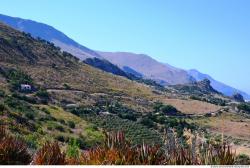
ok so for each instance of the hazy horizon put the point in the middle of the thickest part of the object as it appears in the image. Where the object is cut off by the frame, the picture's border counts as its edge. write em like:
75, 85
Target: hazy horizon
210, 36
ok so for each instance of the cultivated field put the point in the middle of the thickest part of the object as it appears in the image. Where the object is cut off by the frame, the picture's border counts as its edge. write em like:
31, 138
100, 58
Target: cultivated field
192, 106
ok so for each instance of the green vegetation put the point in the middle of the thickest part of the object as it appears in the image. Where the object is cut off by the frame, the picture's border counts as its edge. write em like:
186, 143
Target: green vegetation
166, 109
209, 99
16, 78
116, 150
73, 150
135, 132
245, 107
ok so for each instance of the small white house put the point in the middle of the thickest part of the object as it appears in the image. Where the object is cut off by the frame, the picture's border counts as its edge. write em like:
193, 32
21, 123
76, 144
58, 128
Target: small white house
25, 87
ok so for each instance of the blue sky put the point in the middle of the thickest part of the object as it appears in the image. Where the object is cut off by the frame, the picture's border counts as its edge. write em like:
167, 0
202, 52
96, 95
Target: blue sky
212, 36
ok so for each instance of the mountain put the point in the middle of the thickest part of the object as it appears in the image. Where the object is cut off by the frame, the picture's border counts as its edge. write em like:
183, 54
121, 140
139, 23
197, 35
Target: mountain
141, 64
148, 67
221, 87
51, 34
137, 64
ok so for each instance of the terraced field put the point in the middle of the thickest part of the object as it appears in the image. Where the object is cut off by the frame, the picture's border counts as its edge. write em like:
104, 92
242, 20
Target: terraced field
135, 132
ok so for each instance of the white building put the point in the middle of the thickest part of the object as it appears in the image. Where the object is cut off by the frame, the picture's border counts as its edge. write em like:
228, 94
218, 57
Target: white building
25, 87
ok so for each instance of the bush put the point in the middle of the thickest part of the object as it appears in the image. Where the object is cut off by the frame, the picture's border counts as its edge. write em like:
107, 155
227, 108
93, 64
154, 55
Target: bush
49, 154
62, 138
73, 150
71, 124
244, 107
2, 107
2, 93
165, 109
30, 116
32, 140
243, 160
62, 121
12, 151
169, 110
59, 128
147, 122
66, 86
42, 93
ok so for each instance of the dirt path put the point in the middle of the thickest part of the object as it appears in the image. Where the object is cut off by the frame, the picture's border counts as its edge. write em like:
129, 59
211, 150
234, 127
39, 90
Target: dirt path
62, 89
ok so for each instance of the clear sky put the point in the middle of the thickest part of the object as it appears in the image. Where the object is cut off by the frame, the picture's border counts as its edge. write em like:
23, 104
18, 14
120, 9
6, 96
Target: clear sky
212, 36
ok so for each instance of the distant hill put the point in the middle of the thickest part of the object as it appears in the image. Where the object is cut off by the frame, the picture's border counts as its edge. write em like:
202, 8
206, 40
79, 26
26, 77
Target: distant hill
127, 72
223, 88
148, 67
49, 33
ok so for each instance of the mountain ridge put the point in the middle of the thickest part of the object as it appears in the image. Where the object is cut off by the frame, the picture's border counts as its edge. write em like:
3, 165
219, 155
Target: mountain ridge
164, 77
148, 67
49, 33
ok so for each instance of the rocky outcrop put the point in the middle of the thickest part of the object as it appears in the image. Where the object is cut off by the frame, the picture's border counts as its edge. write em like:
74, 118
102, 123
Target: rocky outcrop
205, 85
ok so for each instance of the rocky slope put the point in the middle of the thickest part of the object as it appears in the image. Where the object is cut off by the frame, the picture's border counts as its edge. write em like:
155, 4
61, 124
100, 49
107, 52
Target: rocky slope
223, 88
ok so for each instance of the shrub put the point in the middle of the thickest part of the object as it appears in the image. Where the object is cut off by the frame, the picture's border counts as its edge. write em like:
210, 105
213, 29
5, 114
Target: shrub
59, 128
245, 107
30, 116
66, 86
73, 150
12, 151
49, 154
42, 93
71, 124
168, 110
2, 107
243, 160
32, 140
147, 122
62, 121
2, 93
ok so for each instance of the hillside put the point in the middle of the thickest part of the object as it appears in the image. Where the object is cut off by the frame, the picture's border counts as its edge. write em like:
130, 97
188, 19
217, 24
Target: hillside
59, 81
49, 33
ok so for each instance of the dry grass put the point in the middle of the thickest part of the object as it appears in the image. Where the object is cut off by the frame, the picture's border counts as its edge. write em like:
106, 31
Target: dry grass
242, 150
231, 125
49, 154
13, 151
192, 106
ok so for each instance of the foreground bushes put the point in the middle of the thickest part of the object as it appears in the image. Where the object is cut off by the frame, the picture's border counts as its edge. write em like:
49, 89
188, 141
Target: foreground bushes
116, 150
12, 150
